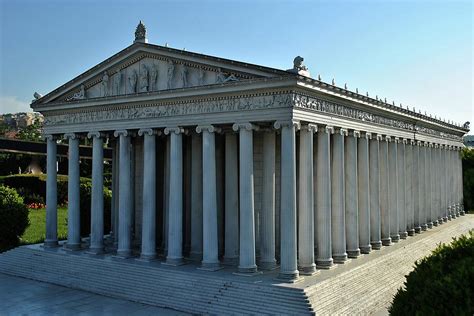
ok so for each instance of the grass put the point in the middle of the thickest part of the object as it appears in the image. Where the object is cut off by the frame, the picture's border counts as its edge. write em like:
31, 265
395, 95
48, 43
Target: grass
36, 231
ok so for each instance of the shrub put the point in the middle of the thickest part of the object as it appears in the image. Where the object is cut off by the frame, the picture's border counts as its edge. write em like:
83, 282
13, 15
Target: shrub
13, 218
440, 284
468, 178
34, 186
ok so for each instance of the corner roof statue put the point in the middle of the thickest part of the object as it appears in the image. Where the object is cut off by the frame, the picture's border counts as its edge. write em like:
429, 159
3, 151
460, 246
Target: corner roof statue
192, 127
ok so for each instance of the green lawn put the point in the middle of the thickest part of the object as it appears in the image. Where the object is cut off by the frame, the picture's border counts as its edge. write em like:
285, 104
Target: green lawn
35, 233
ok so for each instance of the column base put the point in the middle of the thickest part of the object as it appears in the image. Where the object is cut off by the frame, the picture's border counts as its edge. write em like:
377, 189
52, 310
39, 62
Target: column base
51, 243
435, 223
124, 253
339, 258
309, 270
411, 232
195, 256
403, 235
376, 245
174, 262
95, 250
245, 270
424, 227
72, 247
353, 253
325, 264
463, 213
395, 238
230, 261
365, 249
430, 224
289, 277
445, 219
210, 266
386, 241
147, 257
267, 265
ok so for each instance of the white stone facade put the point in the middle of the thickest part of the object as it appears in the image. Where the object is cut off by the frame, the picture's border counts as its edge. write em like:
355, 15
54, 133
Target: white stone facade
223, 162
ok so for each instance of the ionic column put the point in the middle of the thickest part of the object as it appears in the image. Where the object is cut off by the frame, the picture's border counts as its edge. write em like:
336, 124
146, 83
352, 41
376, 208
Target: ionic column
363, 192
175, 213
351, 195
124, 249
422, 188
417, 192
338, 216
384, 192
409, 189
196, 197
247, 222
306, 202
51, 193
73, 194
148, 251
431, 186
97, 194
460, 184
374, 188
454, 181
439, 184
323, 199
435, 185
444, 184
267, 214
210, 260
402, 222
393, 185
288, 250
231, 255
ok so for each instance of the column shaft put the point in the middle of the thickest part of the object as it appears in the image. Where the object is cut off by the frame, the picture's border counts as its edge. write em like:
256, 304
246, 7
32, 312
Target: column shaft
306, 201
417, 176
288, 250
148, 251
363, 193
231, 255
338, 222
125, 197
374, 189
175, 214
323, 199
431, 186
384, 193
409, 189
402, 210
351, 195
393, 185
97, 195
74, 224
196, 197
51, 194
267, 215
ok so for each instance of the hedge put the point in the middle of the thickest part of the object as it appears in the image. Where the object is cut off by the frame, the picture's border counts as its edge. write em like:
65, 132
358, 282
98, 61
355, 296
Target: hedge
13, 218
33, 187
440, 284
468, 178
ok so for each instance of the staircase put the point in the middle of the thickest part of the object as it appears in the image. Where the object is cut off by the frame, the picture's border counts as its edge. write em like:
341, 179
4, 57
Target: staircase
187, 291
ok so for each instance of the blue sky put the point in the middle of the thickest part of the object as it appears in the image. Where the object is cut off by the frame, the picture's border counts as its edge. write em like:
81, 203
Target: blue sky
418, 53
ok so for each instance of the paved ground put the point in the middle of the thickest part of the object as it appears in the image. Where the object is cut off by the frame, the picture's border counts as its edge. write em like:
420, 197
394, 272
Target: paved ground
20, 296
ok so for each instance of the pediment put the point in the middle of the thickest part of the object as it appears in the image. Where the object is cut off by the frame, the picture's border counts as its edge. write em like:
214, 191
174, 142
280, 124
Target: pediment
146, 68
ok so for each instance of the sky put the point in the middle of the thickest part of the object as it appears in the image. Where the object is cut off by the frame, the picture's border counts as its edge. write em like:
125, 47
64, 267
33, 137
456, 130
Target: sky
418, 53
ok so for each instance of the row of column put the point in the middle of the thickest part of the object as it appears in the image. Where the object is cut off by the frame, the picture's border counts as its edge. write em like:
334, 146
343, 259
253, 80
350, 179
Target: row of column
358, 192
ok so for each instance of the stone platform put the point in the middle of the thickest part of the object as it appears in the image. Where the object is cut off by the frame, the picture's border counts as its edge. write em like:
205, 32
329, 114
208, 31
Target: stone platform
364, 285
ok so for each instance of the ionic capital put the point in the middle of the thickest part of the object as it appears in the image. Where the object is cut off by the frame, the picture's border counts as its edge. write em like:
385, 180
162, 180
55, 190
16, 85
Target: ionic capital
354, 133
341, 131
419, 143
95, 134
404, 141
207, 128
287, 123
49, 137
245, 125
388, 139
148, 131
378, 137
412, 142
121, 132
326, 129
313, 128
71, 136
396, 140
175, 129
366, 135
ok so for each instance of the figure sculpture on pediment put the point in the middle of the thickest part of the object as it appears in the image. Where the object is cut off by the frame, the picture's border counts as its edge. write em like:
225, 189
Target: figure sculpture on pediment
117, 82
144, 79
183, 74
201, 77
105, 84
220, 76
170, 74
154, 78
132, 81
79, 95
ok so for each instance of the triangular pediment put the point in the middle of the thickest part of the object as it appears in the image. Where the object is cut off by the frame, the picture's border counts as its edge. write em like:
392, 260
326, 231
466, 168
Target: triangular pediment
146, 68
